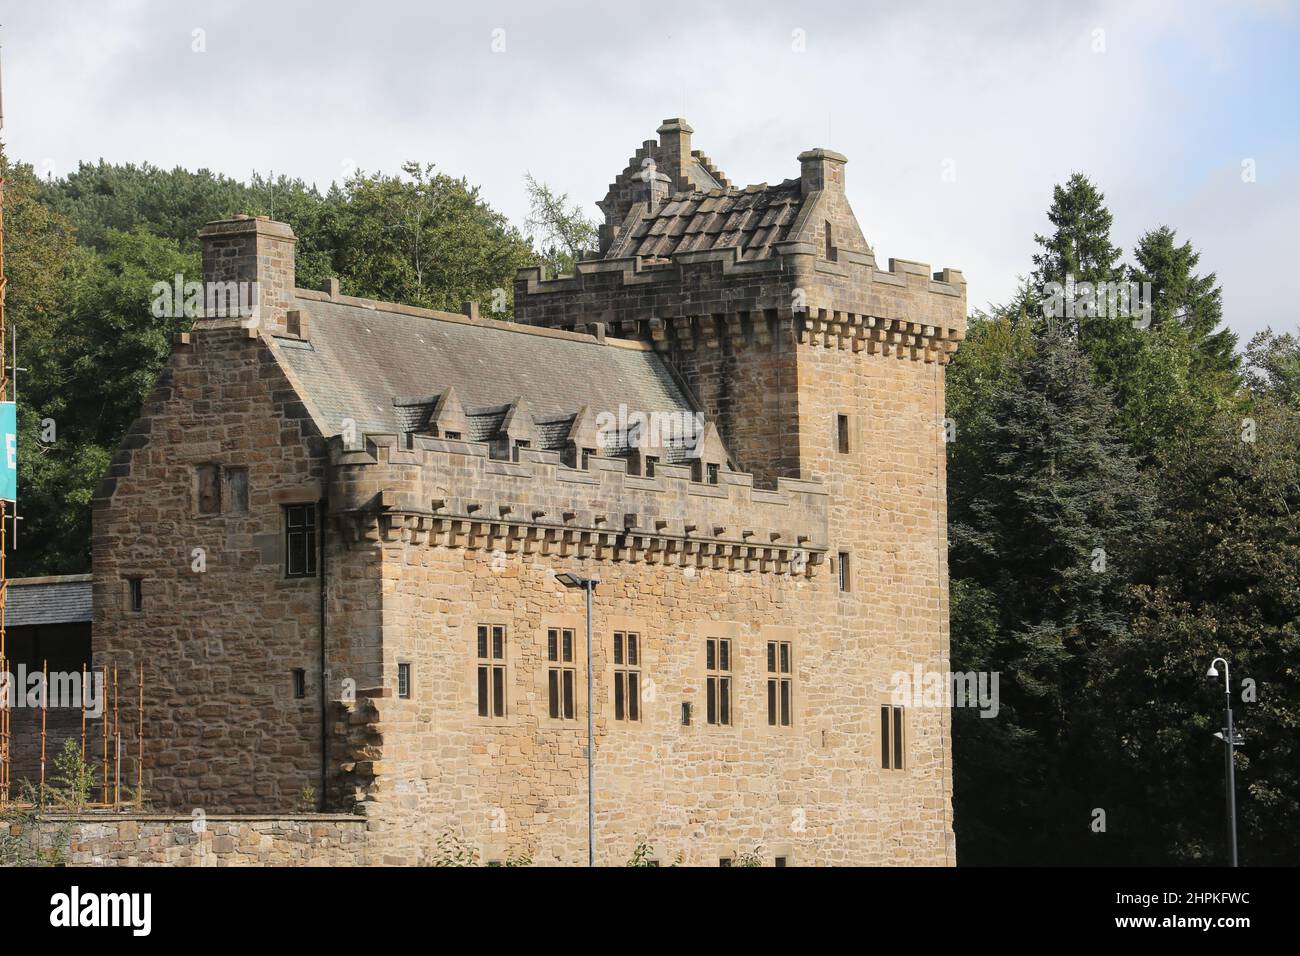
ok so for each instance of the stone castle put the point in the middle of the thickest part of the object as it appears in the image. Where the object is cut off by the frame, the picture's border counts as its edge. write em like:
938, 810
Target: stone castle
332, 541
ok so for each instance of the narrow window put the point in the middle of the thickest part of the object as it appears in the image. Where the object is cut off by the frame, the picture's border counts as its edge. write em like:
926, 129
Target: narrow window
519, 443
779, 686
627, 675
846, 579
491, 647
135, 587
299, 683
586, 458
842, 433
831, 255
237, 485
300, 541
209, 489
686, 713
713, 474
891, 738
717, 680
404, 681
650, 463
561, 676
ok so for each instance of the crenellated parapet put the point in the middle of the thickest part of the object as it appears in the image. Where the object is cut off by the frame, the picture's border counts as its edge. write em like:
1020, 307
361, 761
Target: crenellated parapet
696, 299
421, 491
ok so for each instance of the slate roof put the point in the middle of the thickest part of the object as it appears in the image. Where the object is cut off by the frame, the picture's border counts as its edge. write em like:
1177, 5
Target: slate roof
53, 600
360, 360
751, 219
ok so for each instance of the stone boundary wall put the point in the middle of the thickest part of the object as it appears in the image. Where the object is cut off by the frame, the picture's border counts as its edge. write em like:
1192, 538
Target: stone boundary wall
115, 839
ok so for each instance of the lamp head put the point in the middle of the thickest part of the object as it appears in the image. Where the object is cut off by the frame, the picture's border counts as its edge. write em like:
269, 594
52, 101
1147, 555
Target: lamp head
1212, 672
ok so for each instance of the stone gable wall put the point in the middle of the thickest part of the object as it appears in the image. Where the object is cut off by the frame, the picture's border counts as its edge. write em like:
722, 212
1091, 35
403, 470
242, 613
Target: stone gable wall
222, 729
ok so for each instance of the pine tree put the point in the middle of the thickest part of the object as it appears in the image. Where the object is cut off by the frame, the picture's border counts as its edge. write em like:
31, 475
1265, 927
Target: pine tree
1079, 248
1193, 301
1042, 537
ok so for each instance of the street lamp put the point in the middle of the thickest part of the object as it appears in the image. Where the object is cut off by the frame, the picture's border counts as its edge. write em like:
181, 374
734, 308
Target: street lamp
571, 580
1229, 742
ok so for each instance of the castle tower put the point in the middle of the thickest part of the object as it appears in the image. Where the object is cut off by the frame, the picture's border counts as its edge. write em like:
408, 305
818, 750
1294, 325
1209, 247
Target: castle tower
816, 365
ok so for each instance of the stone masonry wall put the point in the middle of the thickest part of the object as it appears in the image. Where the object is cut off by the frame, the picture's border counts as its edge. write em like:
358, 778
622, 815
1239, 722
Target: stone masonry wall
512, 786
223, 730
112, 839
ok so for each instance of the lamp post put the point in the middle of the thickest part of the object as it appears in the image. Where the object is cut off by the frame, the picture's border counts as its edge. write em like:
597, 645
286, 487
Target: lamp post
1229, 742
571, 580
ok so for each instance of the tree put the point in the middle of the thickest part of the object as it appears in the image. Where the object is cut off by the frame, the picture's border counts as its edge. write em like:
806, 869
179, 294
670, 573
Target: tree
566, 231
1047, 518
1079, 247
428, 240
1273, 367
174, 204
1224, 580
87, 384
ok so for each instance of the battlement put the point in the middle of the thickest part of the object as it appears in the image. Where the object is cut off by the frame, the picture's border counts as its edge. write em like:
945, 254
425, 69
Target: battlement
454, 494
696, 298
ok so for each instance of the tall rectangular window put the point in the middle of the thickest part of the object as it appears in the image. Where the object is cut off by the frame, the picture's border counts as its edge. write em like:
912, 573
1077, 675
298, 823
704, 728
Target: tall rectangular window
404, 681
135, 587
627, 675
717, 680
491, 647
779, 684
891, 738
561, 677
299, 683
842, 434
846, 572
300, 541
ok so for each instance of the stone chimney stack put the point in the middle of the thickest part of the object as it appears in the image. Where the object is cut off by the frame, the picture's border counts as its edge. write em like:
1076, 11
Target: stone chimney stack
248, 272
675, 150
821, 169
651, 186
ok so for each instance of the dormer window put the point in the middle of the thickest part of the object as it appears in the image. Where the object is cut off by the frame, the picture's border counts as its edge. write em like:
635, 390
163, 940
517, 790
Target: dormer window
650, 463
711, 470
831, 254
451, 436
519, 443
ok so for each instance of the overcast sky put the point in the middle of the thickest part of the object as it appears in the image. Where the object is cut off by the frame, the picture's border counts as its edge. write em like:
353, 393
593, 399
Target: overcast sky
1160, 103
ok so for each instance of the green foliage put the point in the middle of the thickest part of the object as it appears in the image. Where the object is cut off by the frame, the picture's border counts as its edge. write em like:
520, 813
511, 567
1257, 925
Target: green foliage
1042, 529
1079, 245
426, 239
1225, 581
1273, 367
750, 858
565, 229
451, 849
27, 836
1073, 436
